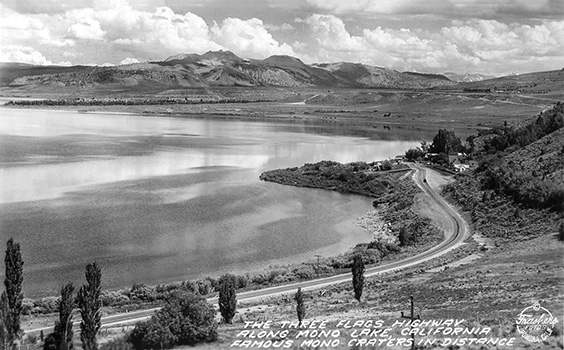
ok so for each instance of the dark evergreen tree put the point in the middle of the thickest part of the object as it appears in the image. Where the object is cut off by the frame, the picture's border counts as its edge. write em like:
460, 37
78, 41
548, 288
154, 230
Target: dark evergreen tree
227, 297
12, 298
90, 306
300, 306
63, 329
358, 276
445, 142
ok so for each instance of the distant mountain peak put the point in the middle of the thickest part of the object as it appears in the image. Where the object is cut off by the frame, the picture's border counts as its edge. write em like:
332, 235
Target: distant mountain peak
467, 77
284, 60
221, 55
179, 57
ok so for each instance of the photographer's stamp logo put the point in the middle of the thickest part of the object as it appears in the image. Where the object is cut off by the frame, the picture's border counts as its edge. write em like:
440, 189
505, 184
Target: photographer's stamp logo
535, 323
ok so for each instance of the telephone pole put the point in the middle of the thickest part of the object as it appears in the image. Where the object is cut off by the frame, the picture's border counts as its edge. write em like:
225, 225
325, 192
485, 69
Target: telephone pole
412, 318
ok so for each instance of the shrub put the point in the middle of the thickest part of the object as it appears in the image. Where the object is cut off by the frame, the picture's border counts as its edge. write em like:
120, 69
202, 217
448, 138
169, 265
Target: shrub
242, 281
45, 305
304, 272
32, 338
140, 291
204, 287
413, 154
387, 165
110, 298
121, 343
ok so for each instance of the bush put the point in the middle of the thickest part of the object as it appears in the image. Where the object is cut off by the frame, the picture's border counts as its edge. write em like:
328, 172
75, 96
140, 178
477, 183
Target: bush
140, 291
413, 154
152, 334
32, 338
45, 305
387, 165
204, 287
304, 272
186, 319
111, 298
121, 343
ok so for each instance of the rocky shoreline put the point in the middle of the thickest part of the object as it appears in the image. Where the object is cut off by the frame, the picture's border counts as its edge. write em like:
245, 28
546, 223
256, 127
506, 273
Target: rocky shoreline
378, 228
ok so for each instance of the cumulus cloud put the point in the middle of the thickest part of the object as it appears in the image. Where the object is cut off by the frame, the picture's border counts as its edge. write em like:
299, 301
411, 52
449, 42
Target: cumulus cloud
339, 6
463, 8
113, 27
330, 33
249, 38
24, 54
87, 30
473, 45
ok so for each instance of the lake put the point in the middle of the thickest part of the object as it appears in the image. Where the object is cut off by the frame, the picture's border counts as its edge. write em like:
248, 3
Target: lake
161, 199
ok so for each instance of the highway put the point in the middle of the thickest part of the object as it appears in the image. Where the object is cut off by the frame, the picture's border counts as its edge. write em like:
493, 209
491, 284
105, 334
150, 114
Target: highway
454, 236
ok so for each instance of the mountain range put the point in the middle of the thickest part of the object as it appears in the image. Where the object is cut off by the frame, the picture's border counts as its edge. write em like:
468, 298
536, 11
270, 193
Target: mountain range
220, 68
224, 68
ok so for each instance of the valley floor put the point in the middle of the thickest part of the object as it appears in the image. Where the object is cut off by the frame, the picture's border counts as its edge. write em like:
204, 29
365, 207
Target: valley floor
374, 113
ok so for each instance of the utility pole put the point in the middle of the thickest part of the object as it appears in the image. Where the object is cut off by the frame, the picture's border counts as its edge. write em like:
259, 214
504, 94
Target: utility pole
412, 318
318, 257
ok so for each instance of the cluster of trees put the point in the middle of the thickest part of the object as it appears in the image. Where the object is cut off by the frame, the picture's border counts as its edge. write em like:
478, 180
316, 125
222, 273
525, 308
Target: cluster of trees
446, 141
129, 101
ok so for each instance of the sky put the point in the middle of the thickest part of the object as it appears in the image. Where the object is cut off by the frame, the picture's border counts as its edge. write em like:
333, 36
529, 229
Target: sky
494, 37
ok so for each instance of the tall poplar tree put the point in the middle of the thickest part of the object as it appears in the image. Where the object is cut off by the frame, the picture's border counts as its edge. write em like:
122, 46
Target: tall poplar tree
227, 297
90, 306
300, 306
12, 298
63, 329
358, 276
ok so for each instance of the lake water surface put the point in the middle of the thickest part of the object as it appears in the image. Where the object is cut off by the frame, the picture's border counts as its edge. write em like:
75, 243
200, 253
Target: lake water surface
160, 199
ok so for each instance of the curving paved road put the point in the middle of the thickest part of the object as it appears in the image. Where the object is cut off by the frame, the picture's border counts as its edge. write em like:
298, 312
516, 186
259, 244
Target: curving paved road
454, 236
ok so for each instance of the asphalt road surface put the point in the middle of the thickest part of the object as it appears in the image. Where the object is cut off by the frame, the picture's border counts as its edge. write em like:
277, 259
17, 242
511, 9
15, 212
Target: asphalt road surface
454, 236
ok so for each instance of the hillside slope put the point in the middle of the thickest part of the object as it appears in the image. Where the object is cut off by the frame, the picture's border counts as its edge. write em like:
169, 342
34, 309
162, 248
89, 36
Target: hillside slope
517, 191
